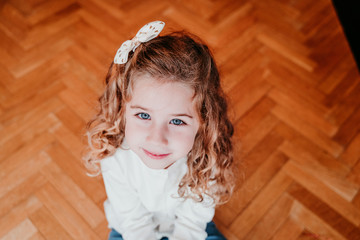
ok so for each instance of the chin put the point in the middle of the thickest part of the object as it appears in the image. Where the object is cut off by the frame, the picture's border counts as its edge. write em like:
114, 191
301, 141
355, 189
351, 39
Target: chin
155, 165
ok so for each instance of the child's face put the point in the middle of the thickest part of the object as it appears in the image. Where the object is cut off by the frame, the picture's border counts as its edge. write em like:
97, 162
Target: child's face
161, 121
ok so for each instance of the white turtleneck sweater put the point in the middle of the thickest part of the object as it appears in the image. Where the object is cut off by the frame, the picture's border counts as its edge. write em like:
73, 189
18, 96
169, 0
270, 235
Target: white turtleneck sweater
143, 203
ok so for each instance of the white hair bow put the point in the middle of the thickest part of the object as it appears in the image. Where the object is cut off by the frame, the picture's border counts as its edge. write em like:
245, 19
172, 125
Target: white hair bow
146, 33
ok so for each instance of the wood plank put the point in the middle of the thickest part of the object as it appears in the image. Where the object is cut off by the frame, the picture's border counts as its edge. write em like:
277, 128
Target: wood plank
323, 211
21, 193
69, 219
310, 113
311, 165
351, 155
31, 133
250, 120
319, 189
310, 132
252, 160
267, 227
248, 92
53, 47
251, 187
24, 230
73, 194
47, 225
297, 58
51, 25
258, 207
263, 128
29, 119
318, 228
18, 214
290, 229
349, 129
93, 187
12, 179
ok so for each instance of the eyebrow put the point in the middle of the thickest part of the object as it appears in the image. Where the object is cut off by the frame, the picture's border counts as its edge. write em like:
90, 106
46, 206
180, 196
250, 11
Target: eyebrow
182, 115
147, 110
136, 106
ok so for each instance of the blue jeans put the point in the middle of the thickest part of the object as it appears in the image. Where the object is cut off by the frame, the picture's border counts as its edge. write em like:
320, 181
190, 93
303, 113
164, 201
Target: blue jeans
212, 231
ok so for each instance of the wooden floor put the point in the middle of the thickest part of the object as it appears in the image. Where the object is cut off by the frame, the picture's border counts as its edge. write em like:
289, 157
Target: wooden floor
294, 91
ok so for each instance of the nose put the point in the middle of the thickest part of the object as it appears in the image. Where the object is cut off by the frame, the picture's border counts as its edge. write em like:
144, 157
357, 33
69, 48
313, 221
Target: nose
158, 134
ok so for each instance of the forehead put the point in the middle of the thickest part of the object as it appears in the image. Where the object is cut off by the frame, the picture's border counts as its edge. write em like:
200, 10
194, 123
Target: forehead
159, 94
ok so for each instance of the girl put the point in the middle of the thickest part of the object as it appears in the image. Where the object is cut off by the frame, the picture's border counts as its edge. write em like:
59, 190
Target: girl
162, 138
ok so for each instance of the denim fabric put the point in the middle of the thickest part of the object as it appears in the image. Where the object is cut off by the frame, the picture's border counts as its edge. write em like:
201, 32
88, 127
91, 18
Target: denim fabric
212, 231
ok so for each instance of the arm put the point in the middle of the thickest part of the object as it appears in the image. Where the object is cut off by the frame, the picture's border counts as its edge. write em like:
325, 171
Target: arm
124, 211
192, 218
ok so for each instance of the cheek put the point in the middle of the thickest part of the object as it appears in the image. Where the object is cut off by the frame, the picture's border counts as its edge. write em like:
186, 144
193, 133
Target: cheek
132, 132
185, 141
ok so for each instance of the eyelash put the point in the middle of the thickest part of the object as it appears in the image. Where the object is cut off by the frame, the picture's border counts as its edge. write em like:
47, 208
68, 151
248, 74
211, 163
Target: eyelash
147, 117
181, 122
140, 115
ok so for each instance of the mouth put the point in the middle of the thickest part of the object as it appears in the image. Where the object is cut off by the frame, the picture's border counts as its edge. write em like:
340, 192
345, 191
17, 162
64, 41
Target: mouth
155, 156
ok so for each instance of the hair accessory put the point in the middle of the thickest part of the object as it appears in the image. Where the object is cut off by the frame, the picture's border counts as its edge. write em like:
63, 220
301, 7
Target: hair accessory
146, 33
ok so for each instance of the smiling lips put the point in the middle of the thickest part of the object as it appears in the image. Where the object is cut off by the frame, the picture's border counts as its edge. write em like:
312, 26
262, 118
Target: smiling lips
156, 156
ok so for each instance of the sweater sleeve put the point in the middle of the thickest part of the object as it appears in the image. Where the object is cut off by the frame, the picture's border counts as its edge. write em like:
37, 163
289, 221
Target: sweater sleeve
191, 220
123, 208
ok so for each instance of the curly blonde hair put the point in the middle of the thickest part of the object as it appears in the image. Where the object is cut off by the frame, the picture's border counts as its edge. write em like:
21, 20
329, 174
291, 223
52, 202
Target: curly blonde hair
173, 57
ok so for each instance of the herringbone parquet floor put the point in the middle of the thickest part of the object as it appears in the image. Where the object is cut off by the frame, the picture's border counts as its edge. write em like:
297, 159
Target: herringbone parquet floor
292, 83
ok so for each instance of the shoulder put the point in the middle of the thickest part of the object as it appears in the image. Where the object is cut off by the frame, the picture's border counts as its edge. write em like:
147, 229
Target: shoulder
122, 160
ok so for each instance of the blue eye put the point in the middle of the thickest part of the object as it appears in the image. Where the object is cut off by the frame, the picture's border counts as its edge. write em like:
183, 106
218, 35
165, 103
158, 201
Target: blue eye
144, 116
177, 122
